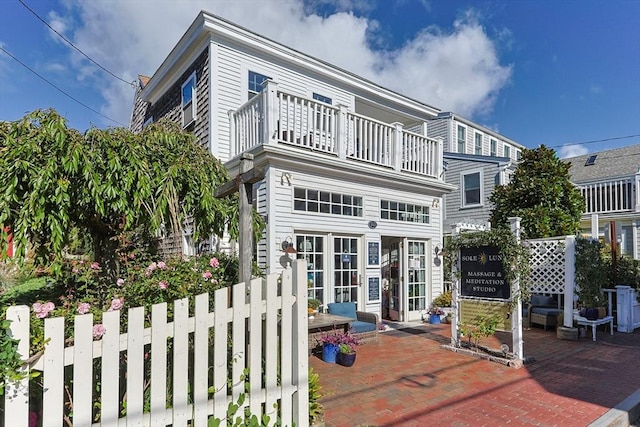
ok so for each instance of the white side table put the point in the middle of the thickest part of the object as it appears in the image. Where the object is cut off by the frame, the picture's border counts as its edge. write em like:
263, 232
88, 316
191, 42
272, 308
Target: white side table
593, 323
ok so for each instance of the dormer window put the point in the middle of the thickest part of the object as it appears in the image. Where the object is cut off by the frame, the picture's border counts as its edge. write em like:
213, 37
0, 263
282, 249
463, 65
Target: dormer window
591, 160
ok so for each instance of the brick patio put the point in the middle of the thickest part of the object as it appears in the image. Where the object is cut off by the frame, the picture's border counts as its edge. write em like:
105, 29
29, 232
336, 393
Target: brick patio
407, 379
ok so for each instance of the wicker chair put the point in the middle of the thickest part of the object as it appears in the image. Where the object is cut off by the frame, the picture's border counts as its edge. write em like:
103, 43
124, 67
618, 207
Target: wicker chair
543, 310
365, 325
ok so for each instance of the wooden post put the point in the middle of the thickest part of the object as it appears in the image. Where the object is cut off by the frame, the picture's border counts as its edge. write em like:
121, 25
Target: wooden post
516, 316
243, 184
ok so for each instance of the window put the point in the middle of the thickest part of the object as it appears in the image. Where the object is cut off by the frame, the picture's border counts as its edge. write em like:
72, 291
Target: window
407, 212
518, 155
311, 249
461, 139
147, 122
507, 151
471, 189
255, 83
493, 147
346, 276
189, 101
591, 160
478, 147
322, 98
326, 202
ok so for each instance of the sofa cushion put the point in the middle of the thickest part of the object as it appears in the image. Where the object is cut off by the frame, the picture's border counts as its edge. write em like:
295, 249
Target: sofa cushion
542, 300
358, 327
346, 309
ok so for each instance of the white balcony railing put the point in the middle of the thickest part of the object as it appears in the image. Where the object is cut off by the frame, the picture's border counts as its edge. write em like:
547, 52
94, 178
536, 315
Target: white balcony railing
608, 197
274, 117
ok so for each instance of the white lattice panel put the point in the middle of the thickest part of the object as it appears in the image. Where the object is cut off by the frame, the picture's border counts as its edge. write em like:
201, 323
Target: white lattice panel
547, 266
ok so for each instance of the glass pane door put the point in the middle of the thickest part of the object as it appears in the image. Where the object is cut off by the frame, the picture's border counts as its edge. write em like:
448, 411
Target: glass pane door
345, 267
417, 276
395, 278
311, 249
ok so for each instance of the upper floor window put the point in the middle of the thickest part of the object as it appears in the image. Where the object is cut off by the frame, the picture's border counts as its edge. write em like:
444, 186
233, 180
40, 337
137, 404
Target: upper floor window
518, 155
507, 151
471, 189
322, 98
147, 122
407, 212
255, 83
478, 145
493, 149
462, 139
189, 100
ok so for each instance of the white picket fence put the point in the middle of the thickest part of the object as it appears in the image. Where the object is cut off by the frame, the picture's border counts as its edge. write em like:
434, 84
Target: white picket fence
175, 372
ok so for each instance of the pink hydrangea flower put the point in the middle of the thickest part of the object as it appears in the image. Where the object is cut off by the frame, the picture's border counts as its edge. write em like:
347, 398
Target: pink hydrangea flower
150, 269
83, 307
74, 271
42, 310
99, 330
162, 265
95, 266
213, 262
116, 304
120, 282
207, 275
163, 285
214, 281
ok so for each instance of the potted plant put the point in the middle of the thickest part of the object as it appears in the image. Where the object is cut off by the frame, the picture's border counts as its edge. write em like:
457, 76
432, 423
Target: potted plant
591, 275
331, 341
313, 305
346, 355
435, 314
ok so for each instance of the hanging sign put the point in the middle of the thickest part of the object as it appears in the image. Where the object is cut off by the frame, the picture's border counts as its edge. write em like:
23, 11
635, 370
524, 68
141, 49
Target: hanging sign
346, 257
482, 273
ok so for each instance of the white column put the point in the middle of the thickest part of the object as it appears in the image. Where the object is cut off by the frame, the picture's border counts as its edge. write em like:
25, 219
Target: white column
624, 308
455, 303
595, 228
270, 111
569, 279
342, 134
439, 158
516, 316
397, 146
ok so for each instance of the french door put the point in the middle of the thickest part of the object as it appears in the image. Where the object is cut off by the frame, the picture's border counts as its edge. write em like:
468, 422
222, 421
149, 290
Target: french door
416, 274
346, 276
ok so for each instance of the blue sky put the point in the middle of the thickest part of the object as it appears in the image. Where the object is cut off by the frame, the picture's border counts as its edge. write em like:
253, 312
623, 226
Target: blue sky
539, 71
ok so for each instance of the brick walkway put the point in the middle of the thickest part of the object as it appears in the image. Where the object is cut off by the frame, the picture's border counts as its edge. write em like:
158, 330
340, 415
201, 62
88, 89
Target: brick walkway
407, 379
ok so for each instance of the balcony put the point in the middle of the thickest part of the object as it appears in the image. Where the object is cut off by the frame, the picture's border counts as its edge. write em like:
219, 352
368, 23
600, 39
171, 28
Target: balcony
275, 117
610, 197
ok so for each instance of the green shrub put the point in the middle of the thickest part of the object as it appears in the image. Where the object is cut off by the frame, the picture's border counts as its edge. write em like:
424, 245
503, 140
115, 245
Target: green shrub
443, 300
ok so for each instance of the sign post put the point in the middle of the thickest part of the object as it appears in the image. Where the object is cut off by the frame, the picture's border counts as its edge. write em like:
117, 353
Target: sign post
243, 184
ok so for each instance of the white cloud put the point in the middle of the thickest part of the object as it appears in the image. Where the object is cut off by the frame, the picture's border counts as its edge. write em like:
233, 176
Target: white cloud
595, 89
456, 70
572, 150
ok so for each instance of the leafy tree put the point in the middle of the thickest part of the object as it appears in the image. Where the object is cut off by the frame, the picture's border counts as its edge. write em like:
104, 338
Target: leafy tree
106, 184
541, 194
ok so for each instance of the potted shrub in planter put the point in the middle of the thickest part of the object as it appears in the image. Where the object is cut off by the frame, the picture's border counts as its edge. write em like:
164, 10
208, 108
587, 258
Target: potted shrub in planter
435, 315
591, 276
346, 355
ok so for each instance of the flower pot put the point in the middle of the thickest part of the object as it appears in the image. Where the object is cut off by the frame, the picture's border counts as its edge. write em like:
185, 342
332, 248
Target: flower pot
434, 319
591, 313
346, 359
329, 352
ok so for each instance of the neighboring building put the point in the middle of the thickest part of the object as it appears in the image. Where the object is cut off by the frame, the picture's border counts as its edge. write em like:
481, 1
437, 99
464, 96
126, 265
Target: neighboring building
475, 177
477, 159
609, 182
463, 136
352, 181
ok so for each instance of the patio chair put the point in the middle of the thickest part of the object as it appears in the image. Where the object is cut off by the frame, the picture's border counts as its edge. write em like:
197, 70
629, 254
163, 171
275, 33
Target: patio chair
365, 325
543, 310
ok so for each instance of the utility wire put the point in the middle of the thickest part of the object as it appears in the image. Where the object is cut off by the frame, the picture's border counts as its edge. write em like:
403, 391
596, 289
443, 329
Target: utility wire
594, 141
60, 90
132, 84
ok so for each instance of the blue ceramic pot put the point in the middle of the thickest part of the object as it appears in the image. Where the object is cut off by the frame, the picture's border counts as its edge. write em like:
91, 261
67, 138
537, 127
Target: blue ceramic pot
434, 319
329, 352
